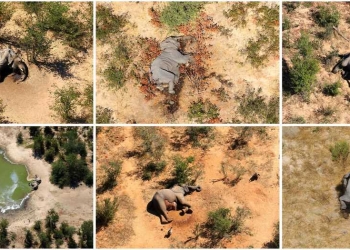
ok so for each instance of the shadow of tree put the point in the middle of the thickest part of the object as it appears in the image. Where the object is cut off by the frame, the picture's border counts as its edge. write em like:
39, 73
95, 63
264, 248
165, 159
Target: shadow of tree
286, 78
59, 67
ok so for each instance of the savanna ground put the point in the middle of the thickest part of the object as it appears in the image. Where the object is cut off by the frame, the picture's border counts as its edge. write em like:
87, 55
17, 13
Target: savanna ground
311, 92
55, 41
234, 77
311, 181
134, 162
69, 222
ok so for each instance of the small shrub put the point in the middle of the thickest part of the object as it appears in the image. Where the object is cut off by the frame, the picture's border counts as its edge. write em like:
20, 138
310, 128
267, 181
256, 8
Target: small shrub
104, 115
28, 241
112, 171
286, 24
153, 143
291, 6
51, 219
19, 138
105, 211
115, 77
196, 134
4, 234
297, 120
332, 89
107, 23
203, 112
182, 171
327, 16
304, 45
178, 13
238, 14
340, 151
37, 226
151, 169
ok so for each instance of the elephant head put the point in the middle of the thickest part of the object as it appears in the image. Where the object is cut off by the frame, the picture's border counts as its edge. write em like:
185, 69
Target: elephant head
20, 69
189, 189
12, 63
343, 63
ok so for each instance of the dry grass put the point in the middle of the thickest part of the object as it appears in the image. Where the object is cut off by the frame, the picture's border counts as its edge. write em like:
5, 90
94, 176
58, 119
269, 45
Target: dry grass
311, 208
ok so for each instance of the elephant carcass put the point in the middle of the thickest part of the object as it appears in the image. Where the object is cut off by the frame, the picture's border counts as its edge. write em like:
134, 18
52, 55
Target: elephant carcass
176, 194
344, 65
345, 198
11, 63
165, 68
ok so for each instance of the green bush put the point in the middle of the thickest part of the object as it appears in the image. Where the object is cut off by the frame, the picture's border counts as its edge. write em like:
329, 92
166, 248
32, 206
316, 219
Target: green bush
105, 211
203, 111
87, 235
19, 138
153, 143
104, 115
182, 171
332, 89
51, 219
304, 45
178, 13
286, 24
37, 226
66, 103
195, 134
340, 151
237, 14
45, 240
28, 241
255, 107
327, 16
151, 169
112, 171
107, 23
4, 240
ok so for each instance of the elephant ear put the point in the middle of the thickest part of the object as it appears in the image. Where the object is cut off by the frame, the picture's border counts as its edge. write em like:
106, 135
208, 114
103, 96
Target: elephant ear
11, 56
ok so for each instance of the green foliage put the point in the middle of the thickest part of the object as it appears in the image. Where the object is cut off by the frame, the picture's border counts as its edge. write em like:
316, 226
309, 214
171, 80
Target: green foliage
304, 45
28, 241
195, 134
5, 13
67, 231
115, 77
112, 171
104, 115
332, 89
19, 138
153, 143
66, 103
37, 226
72, 243
151, 169
254, 107
286, 24
238, 14
182, 173
38, 148
107, 23
178, 13
297, 120
203, 111
340, 151
4, 240
291, 6
327, 16
105, 212
87, 235
35, 43
45, 240
222, 224
51, 219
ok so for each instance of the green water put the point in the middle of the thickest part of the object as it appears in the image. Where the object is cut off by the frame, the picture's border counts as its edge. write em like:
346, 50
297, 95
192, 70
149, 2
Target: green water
14, 186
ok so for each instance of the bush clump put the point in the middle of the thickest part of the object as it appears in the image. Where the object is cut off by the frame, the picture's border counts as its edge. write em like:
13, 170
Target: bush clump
203, 111
332, 89
112, 171
182, 170
340, 151
178, 13
105, 211
151, 169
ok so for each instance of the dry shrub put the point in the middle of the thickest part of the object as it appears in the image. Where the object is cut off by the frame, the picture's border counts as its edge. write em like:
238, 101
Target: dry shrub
155, 17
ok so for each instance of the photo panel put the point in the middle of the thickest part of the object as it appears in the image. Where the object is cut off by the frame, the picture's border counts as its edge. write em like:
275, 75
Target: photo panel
187, 187
187, 62
46, 187
46, 72
316, 193
315, 62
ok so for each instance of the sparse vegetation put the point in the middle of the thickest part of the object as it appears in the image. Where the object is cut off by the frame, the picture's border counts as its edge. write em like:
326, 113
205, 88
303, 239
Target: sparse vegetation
197, 134
327, 16
105, 211
340, 152
332, 89
151, 169
204, 112
178, 13
104, 115
152, 141
109, 181
5, 13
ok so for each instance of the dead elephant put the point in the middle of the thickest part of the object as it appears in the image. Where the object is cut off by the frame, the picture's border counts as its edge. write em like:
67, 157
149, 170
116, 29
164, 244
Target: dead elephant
11, 63
165, 68
345, 198
344, 65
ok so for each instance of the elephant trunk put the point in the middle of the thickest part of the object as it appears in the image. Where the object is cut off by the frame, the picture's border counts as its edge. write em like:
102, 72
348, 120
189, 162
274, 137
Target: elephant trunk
195, 188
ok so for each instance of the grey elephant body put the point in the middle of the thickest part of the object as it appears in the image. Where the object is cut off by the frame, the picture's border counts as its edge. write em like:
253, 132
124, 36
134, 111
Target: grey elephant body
344, 65
345, 198
174, 195
11, 62
165, 68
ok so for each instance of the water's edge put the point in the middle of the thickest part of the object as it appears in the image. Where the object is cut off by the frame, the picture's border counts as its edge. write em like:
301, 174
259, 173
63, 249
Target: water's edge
14, 206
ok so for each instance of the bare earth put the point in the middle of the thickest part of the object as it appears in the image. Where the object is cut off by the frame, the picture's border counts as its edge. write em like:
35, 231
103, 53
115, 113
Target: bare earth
226, 60
29, 102
72, 205
134, 227
311, 209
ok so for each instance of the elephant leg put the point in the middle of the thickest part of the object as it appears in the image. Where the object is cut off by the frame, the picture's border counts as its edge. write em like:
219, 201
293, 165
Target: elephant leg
182, 202
171, 88
163, 211
343, 200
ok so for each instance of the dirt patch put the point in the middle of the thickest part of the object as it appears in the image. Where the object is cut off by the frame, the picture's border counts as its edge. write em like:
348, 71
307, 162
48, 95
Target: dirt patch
134, 227
311, 209
227, 73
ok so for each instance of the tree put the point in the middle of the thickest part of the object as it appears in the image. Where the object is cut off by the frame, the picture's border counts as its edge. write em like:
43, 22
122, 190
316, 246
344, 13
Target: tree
28, 241
19, 138
86, 236
51, 219
38, 148
45, 240
4, 240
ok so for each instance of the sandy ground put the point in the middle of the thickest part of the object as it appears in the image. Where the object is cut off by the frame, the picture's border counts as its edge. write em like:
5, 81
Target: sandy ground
226, 60
72, 205
29, 101
311, 209
293, 106
134, 227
